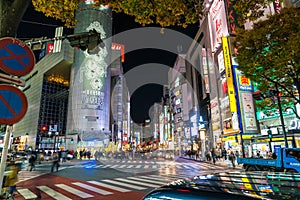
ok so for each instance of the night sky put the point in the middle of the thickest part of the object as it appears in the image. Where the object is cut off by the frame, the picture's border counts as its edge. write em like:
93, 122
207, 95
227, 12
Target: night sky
35, 24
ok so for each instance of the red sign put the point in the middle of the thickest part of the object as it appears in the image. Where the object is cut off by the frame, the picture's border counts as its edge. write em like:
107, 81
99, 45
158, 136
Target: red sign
16, 58
13, 104
121, 47
50, 47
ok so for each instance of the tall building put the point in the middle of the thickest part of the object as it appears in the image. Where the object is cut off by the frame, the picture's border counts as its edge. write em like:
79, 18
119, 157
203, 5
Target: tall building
47, 92
89, 101
180, 101
69, 94
120, 101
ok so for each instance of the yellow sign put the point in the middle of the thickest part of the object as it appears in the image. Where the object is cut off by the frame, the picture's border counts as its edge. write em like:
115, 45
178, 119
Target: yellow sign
229, 77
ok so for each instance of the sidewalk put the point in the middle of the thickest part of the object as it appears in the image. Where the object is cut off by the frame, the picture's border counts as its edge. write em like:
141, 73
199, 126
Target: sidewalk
225, 163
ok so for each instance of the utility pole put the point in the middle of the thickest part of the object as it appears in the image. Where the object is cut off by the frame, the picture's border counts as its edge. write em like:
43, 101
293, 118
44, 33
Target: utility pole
4, 154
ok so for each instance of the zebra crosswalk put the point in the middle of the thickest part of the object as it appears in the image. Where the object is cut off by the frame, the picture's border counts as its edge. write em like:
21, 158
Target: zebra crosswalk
119, 164
96, 188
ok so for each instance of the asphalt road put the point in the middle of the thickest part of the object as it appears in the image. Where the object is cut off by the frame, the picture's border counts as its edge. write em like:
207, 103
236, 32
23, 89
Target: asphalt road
106, 179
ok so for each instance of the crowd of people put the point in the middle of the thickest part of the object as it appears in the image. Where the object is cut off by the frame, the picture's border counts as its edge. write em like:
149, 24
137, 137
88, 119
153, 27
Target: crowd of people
215, 154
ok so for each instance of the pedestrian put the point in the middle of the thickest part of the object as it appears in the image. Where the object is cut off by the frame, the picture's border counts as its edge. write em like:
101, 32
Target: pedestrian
213, 155
232, 159
97, 155
224, 154
31, 162
80, 154
258, 154
55, 163
11, 177
88, 154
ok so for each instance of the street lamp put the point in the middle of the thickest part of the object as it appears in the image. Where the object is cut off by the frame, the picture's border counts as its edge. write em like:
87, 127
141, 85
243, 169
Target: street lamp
55, 143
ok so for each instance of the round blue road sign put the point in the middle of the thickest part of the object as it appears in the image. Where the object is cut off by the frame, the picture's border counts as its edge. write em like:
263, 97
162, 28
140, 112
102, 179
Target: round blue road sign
16, 58
13, 104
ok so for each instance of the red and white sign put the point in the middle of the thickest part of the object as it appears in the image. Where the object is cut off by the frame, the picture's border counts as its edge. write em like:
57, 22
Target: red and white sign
218, 23
121, 47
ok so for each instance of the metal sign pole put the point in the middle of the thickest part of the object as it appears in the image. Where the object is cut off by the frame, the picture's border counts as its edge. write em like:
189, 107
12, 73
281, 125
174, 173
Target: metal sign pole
4, 154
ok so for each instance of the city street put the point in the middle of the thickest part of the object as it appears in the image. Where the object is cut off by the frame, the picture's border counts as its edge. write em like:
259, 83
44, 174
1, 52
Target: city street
108, 179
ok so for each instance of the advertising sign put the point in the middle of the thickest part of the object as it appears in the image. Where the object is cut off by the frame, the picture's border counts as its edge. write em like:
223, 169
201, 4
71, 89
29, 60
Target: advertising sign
217, 17
229, 77
248, 115
232, 17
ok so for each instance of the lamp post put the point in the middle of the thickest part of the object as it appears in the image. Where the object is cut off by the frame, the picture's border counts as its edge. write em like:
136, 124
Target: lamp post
55, 138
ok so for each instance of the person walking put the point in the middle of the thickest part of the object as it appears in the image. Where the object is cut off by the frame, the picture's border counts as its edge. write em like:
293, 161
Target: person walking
213, 155
11, 178
232, 158
31, 162
55, 163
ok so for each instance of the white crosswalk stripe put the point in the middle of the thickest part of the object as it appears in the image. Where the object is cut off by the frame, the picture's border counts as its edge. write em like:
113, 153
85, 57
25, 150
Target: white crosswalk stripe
27, 193
94, 189
53, 193
125, 184
149, 181
109, 186
74, 191
137, 183
26, 175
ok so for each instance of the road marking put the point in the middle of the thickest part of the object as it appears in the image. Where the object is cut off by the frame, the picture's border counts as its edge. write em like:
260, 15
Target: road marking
53, 193
124, 184
74, 191
109, 186
130, 166
149, 181
90, 166
138, 166
122, 166
94, 189
137, 183
114, 166
146, 166
157, 178
26, 193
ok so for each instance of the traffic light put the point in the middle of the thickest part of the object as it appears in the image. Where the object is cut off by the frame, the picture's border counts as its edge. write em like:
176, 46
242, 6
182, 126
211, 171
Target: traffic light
90, 41
44, 128
270, 134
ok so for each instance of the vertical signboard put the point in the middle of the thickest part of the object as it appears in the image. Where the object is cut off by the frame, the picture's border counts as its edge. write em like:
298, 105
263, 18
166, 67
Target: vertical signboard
229, 77
218, 23
230, 84
248, 115
232, 17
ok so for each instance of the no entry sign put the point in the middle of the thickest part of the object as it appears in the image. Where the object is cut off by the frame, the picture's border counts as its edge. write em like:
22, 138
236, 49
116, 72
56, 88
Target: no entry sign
13, 104
16, 58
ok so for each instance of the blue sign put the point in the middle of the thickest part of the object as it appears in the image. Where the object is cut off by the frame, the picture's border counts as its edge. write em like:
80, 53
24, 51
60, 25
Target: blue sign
16, 58
13, 104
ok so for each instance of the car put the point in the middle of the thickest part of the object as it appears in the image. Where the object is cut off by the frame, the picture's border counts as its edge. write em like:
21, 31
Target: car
230, 186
